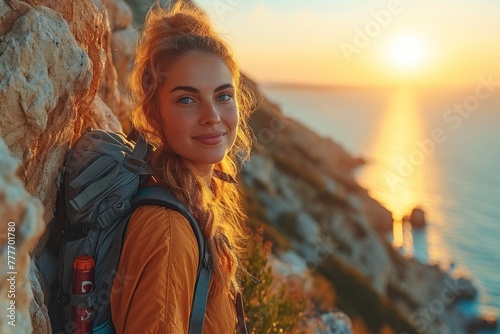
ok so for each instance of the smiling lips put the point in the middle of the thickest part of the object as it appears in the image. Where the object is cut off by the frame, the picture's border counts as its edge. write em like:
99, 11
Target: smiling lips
210, 138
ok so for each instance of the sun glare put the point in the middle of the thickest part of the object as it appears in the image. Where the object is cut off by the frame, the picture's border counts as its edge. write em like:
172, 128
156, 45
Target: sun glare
407, 52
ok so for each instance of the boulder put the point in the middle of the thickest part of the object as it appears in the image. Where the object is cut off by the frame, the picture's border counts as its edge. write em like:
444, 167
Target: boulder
120, 51
108, 85
335, 323
120, 14
308, 228
100, 116
123, 51
87, 25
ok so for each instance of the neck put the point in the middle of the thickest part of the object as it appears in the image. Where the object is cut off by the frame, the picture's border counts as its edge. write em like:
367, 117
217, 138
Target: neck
203, 171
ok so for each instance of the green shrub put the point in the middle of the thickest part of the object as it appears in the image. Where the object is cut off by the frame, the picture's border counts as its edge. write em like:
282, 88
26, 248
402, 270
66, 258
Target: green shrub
268, 311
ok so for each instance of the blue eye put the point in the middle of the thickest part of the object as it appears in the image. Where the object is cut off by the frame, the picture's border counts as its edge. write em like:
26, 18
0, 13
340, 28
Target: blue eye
185, 100
224, 97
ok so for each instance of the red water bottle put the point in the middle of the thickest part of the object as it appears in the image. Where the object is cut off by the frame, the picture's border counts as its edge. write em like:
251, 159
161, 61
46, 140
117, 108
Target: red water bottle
83, 282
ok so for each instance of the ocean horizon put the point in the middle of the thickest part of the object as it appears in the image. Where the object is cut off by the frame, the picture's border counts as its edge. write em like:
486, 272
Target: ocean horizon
430, 148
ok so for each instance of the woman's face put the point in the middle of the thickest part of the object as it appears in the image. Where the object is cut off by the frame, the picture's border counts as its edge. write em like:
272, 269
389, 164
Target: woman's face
198, 110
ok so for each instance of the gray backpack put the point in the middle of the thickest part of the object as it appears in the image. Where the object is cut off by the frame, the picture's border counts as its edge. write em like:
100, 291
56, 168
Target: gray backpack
102, 185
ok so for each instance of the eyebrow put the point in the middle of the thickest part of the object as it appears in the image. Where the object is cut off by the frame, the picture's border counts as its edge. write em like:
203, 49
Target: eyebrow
195, 90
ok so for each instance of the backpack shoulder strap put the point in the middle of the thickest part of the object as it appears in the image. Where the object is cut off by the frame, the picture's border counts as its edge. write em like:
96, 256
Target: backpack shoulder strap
162, 197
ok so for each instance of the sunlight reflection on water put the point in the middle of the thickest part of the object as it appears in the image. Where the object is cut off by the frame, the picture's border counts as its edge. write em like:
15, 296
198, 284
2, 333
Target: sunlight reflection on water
398, 174
457, 183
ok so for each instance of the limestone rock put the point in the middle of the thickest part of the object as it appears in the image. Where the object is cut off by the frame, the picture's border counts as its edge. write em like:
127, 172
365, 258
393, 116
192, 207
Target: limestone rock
259, 170
380, 218
40, 93
290, 268
123, 50
120, 14
292, 264
108, 85
141, 7
87, 26
308, 228
51, 63
100, 116
10, 11
277, 207
20, 218
336, 323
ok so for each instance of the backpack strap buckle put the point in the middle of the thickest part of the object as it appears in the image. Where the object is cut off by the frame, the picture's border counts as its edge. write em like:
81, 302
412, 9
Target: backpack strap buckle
135, 162
112, 215
207, 260
136, 166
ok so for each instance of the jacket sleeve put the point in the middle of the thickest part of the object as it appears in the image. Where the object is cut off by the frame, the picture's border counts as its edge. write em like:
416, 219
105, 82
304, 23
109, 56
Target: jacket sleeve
154, 285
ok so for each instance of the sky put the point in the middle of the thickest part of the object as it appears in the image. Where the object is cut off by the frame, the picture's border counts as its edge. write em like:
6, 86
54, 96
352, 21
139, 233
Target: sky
362, 42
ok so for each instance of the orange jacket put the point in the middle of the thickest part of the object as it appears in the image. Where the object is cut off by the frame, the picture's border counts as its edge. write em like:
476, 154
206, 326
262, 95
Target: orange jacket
154, 286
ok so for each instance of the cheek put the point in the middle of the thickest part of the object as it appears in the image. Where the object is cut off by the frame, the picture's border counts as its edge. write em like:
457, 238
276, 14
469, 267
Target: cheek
233, 119
172, 127
234, 125
173, 120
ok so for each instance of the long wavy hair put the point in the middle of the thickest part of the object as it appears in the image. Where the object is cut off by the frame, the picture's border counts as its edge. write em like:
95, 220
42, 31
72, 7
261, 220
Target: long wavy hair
167, 35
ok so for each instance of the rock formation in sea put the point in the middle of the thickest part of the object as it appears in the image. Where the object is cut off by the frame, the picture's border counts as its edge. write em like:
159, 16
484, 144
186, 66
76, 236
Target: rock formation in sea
63, 68
417, 218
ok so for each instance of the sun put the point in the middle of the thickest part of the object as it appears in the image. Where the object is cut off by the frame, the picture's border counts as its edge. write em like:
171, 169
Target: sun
407, 52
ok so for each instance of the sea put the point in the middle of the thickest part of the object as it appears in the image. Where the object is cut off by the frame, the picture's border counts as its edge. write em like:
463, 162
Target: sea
437, 149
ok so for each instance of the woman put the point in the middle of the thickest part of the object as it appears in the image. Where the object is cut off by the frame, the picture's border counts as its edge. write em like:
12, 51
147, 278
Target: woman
192, 105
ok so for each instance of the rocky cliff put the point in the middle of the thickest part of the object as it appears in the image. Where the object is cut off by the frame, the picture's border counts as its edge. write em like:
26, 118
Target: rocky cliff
63, 67
57, 77
300, 187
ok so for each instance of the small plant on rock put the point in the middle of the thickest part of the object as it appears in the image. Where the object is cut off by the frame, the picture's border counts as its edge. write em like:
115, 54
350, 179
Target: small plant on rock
268, 309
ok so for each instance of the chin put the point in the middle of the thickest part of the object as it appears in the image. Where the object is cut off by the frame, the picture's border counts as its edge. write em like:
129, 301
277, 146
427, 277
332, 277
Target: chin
209, 160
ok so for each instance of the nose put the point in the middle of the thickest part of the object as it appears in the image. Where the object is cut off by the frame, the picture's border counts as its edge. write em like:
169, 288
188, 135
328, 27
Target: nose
209, 114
